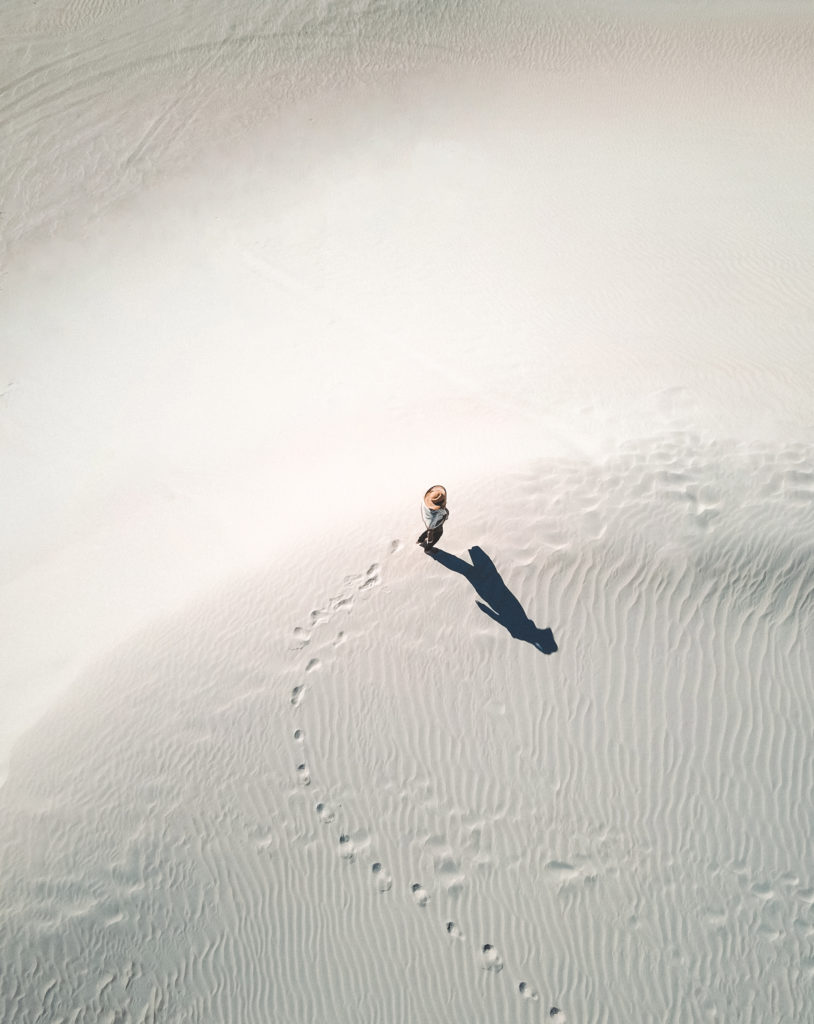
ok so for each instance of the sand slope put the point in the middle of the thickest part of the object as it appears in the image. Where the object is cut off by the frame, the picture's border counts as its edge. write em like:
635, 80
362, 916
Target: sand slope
268, 273
324, 794
251, 259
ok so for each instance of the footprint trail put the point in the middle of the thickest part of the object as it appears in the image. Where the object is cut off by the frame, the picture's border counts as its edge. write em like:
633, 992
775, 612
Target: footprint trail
447, 865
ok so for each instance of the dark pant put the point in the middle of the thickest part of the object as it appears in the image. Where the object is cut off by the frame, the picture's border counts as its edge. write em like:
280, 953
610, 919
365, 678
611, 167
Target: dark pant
431, 537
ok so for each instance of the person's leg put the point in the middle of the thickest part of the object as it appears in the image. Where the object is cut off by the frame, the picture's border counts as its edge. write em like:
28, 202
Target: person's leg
433, 536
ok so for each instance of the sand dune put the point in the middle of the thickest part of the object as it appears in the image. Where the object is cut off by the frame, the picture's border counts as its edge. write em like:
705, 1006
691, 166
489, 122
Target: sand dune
268, 274
330, 790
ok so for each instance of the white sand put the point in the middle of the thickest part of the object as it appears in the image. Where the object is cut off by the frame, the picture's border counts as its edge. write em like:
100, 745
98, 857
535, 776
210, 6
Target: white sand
266, 278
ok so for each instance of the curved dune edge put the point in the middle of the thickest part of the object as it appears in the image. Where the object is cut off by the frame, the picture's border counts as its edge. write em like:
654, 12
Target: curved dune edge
343, 790
104, 100
343, 786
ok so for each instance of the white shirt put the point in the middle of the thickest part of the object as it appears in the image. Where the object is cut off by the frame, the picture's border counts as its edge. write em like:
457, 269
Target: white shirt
433, 517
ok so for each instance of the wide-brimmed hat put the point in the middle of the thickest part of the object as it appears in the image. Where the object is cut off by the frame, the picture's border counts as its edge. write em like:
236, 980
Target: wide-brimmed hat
436, 497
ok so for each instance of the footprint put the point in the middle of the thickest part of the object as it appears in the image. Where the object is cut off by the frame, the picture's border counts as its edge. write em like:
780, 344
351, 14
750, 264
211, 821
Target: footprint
297, 695
299, 735
265, 842
420, 894
384, 883
395, 545
346, 848
526, 991
340, 638
562, 869
317, 616
303, 775
491, 959
454, 930
312, 665
302, 638
371, 577
446, 867
326, 813
554, 1011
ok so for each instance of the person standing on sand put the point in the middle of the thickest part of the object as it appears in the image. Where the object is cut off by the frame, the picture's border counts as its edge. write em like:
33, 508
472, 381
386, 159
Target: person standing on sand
435, 513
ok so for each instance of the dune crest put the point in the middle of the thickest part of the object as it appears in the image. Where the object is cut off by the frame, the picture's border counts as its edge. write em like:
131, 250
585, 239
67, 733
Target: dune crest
440, 802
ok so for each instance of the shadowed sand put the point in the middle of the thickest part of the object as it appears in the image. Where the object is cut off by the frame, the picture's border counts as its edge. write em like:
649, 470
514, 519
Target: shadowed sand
377, 803
501, 604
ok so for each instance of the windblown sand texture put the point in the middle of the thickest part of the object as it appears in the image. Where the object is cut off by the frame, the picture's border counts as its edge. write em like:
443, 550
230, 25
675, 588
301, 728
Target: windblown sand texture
268, 274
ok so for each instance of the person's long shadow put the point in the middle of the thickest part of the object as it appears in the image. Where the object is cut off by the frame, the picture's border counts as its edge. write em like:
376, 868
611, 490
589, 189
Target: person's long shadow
504, 607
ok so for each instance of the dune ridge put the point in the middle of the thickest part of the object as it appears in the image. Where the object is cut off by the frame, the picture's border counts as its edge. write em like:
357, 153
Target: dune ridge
369, 794
267, 272
562, 228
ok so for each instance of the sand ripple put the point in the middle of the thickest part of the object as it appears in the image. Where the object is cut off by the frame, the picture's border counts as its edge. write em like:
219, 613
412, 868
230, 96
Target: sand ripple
446, 816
